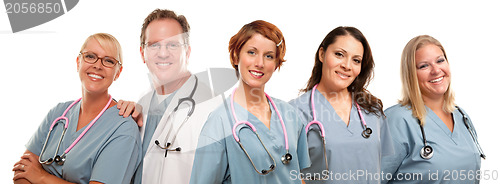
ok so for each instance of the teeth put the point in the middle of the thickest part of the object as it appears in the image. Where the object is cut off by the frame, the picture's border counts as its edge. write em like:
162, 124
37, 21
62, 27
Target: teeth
256, 73
342, 75
163, 64
437, 80
95, 76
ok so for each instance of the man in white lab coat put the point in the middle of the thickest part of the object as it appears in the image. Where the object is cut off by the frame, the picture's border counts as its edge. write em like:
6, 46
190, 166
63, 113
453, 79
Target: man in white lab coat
179, 102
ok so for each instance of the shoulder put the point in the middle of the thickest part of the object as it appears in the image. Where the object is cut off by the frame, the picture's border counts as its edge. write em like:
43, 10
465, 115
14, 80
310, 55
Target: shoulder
221, 110
398, 111
219, 117
120, 125
58, 109
282, 105
301, 100
61, 106
460, 110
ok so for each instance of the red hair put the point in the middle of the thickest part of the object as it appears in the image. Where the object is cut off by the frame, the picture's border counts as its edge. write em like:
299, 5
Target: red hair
266, 29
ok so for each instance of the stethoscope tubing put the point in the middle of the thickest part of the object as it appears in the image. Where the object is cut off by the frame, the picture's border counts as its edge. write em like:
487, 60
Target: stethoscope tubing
63, 117
285, 159
250, 124
315, 121
427, 151
189, 99
89, 126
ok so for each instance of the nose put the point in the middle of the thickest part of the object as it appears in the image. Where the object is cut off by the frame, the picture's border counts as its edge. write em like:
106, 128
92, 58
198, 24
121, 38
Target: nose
435, 70
163, 52
98, 64
259, 62
346, 64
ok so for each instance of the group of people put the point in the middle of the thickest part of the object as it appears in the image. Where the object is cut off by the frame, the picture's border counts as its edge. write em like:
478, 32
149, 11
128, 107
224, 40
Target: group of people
187, 133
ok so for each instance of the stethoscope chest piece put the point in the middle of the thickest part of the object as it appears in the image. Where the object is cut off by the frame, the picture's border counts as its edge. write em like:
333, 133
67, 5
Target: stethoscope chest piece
286, 158
366, 133
427, 152
60, 159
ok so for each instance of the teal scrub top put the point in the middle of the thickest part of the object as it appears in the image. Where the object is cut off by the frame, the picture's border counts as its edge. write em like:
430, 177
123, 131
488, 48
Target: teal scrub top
109, 152
456, 158
351, 157
219, 158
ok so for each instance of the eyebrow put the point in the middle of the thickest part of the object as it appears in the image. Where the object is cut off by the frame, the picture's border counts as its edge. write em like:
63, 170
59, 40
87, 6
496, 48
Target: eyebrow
356, 55
255, 48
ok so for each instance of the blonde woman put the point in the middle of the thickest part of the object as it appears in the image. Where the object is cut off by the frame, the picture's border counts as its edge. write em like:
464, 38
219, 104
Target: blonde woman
434, 140
86, 140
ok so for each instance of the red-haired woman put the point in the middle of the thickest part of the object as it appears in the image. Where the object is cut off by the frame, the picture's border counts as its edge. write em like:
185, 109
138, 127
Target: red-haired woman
252, 138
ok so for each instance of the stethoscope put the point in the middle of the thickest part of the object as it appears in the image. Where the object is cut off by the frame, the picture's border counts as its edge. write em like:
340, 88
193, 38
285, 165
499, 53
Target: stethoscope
192, 104
285, 159
61, 159
366, 130
427, 151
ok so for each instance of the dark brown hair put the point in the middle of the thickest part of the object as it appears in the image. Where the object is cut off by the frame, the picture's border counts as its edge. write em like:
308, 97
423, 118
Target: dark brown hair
358, 87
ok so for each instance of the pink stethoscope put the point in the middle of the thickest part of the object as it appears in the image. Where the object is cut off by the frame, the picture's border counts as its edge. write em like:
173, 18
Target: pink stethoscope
61, 159
285, 159
366, 130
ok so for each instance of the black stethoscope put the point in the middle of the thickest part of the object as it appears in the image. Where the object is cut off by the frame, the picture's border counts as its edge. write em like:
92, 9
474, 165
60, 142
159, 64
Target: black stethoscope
365, 133
285, 159
427, 151
192, 104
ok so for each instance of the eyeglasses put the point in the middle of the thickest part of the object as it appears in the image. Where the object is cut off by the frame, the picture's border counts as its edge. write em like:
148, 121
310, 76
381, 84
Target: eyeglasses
91, 58
171, 46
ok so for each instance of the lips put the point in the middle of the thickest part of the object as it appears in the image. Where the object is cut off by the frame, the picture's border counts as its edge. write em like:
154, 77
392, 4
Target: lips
256, 74
163, 64
437, 80
95, 76
342, 75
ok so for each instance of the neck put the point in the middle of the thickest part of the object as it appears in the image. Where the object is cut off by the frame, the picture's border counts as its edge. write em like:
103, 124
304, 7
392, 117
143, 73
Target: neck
170, 87
332, 94
92, 103
435, 104
250, 97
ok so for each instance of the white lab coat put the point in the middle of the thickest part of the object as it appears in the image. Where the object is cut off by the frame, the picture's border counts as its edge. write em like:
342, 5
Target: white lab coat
176, 167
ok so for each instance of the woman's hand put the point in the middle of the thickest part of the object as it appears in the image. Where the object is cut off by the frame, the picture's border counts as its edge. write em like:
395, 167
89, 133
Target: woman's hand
130, 108
29, 168
29, 171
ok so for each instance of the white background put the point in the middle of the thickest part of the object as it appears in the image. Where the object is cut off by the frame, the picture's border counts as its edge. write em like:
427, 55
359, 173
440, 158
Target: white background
38, 66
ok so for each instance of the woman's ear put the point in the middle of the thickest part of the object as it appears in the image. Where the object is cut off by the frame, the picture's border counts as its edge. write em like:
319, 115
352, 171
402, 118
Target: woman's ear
321, 54
118, 74
77, 63
236, 60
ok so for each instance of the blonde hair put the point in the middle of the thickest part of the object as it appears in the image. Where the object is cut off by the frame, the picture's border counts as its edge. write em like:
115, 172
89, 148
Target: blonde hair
108, 42
412, 96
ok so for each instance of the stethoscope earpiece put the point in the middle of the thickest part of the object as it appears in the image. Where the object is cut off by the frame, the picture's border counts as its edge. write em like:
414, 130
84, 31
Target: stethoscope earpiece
427, 152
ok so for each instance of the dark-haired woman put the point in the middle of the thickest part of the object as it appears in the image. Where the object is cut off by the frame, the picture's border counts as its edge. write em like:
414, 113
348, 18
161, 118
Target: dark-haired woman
338, 108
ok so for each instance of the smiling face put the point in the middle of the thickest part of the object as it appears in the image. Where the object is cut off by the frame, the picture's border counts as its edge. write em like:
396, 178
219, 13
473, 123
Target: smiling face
257, 61
341, 63
165, 51
433, 71
97, 78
